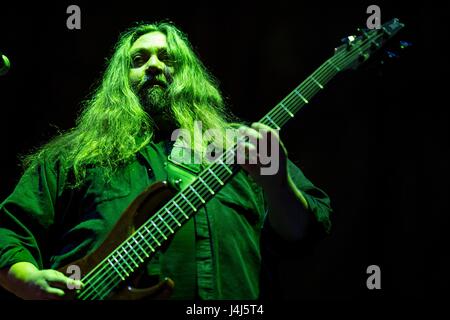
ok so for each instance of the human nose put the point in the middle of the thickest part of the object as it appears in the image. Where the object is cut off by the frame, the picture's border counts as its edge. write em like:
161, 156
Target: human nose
154, 65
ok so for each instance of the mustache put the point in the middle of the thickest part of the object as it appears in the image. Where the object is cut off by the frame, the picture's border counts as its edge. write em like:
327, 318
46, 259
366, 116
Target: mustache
163, 79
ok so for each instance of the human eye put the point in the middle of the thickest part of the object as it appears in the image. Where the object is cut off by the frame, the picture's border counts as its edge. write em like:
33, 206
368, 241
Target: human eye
137, 60
165, 57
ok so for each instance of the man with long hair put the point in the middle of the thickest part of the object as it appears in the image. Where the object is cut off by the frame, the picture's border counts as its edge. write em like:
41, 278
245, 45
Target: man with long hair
75, 187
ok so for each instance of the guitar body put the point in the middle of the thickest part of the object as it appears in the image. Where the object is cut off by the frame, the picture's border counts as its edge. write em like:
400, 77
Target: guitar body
148, 202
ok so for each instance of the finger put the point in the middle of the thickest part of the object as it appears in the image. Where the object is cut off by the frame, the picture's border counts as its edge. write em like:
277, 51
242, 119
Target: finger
249, 132
247, 148
266, 131
55, 292
260, 126
70, 284
248, 153
57, 279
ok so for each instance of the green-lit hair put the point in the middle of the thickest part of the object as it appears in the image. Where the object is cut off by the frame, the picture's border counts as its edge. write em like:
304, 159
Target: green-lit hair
113, 126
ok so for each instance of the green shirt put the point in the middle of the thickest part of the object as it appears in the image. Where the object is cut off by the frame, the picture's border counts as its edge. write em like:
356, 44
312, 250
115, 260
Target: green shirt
217, 255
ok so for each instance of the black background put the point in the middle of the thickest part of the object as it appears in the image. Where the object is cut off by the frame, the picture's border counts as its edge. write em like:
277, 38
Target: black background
375, 140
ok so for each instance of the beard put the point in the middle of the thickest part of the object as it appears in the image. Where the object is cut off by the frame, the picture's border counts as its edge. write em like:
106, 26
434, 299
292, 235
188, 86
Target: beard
155, 102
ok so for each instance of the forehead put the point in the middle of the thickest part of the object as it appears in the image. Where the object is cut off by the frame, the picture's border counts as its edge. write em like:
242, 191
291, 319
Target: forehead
152, 39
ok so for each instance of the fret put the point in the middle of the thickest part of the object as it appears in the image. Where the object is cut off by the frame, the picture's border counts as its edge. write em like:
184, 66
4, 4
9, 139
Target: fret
186, 199
151, 234
333, 65
142, 249
126, 262
145, 240
95, 289
317, 82
210, 190
135, 252
127, 255
375, 44
162, 233
179, 208
287, 110
165, 223
214, 175
117, 271
230, 160
196, 193
124, 270
226, 167
273, 122
173, 218
301, 96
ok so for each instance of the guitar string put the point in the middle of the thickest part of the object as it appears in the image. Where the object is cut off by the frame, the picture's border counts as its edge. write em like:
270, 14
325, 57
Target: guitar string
204, 194
118, 280
184, 205
287, 102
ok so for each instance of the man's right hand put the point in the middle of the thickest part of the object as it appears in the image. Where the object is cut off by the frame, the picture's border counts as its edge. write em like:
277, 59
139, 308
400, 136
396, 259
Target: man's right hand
28, 282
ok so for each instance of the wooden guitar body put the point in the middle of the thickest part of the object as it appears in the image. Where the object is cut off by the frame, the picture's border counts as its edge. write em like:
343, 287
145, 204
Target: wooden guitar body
148, 202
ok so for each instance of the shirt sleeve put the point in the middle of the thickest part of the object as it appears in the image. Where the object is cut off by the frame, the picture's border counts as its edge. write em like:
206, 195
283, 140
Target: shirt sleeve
275, 249
26, 216
318, 201
318, 205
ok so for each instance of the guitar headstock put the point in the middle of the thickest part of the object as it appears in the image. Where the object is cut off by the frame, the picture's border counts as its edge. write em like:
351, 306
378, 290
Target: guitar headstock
358, 48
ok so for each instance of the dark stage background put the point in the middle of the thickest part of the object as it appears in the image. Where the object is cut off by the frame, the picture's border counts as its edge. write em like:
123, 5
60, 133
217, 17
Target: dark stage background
375, 139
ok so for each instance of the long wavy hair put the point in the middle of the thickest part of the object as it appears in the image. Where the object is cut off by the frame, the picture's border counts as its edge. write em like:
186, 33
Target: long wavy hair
112, 125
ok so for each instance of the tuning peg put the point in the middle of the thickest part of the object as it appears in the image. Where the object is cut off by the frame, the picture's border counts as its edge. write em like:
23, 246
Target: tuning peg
348, 40
405, 44
391, 54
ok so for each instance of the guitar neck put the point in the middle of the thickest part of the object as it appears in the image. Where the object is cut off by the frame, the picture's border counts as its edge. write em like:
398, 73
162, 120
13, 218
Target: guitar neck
301, 95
